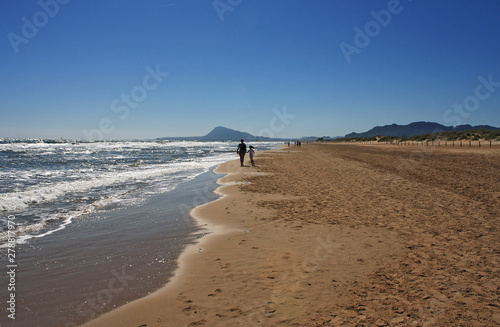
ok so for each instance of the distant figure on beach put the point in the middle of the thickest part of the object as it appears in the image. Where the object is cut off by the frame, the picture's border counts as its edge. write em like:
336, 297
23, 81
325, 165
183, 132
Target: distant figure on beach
251, 152
242, 150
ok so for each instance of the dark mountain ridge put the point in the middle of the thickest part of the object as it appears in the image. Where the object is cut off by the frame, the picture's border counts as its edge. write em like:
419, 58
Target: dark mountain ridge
221, 133
417, 128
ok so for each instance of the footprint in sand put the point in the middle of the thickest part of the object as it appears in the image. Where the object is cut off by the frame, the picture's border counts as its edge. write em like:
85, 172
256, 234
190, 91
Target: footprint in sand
216, 291
238, 311
191, 309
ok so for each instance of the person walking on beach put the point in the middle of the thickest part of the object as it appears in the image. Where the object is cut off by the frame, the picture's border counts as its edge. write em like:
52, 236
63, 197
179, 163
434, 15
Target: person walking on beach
242, 150
251, 152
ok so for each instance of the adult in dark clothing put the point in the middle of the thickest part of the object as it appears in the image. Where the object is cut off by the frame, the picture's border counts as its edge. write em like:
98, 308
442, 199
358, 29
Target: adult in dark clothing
242, 150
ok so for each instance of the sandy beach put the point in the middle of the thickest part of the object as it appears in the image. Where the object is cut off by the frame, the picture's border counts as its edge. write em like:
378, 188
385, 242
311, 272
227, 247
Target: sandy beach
340, 235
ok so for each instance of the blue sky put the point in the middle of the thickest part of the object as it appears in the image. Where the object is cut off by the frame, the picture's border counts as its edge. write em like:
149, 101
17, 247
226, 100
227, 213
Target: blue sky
121, 69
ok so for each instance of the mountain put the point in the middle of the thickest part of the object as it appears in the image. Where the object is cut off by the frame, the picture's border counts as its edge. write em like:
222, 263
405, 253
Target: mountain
417, 128
220, 133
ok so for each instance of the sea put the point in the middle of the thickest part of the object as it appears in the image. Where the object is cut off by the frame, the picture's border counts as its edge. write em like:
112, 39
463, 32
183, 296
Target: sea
77, 215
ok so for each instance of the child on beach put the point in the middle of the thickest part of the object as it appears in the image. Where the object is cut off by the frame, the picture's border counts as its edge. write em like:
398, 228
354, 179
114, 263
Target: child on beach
251, 152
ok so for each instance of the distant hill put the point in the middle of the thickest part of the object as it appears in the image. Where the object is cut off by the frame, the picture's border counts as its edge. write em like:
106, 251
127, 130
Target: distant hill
220, 133
417, 128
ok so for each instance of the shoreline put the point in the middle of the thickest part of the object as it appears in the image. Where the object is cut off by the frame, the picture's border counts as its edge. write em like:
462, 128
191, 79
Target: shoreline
209, 230
109, 258
325, 235
192, 298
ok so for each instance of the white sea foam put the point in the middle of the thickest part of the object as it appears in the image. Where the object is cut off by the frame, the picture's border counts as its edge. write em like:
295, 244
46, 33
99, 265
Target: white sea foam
49, 185
14, 201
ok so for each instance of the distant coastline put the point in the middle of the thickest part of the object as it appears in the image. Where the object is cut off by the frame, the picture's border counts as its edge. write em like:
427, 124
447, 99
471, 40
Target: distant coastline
417, 128
475, 135
221, 133
394, 131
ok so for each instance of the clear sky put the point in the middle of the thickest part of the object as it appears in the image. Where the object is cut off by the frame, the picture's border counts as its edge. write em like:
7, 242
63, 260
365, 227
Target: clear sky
119, 69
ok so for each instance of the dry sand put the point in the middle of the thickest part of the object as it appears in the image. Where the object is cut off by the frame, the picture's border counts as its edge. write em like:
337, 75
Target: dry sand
341, 235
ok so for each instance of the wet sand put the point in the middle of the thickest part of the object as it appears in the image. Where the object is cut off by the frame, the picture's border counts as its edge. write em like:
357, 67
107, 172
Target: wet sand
341, 235
104, 260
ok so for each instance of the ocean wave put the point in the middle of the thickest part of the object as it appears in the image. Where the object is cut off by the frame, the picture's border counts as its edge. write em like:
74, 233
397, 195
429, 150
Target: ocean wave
48, 185
15, 201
